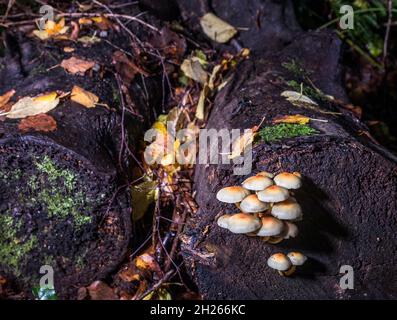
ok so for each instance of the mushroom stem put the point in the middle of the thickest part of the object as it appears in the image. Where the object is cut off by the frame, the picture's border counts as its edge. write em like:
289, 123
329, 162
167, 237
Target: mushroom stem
275, 240
288, 272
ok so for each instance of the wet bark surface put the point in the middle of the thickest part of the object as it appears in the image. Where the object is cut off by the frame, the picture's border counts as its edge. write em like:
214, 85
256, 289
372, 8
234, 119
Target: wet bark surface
61, 201
348, 195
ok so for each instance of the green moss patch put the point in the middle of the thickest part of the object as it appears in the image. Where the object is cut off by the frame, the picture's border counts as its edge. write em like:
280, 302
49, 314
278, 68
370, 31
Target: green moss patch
284, 131
13, 249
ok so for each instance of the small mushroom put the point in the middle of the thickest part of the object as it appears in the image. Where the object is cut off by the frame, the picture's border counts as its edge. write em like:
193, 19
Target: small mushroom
270, 227
288, 180
233, 194
243, 223
281, 263
287, 210
266, 174
223, 221
252, 204
257, 183
273, 194
297, 258
290, 230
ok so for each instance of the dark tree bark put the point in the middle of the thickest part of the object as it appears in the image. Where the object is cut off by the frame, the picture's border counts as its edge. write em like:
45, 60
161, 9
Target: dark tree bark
61, 201
350, 182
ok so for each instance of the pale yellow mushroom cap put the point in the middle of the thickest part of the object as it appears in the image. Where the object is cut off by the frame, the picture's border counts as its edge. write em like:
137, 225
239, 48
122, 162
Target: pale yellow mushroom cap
266, 174
291, 230
257, 183
223, 221
288, 180
273, 194
287, 210
279, 261
297, 258
270, 227
252, 204
243, 223
232, 194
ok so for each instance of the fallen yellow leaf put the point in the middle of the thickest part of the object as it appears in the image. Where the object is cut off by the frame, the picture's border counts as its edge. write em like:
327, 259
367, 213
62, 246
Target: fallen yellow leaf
77, 66
217, 29
52, 29
83, 97
241, 143
296, 118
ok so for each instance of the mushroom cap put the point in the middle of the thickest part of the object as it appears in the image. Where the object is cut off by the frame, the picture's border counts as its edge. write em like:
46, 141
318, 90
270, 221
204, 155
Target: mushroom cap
257, 183
273, 194
271, 226
287, 210
232, 194
243, 223
252, 204
291, 230
265, 174
223, 221
297, 258
279, 261
288, 180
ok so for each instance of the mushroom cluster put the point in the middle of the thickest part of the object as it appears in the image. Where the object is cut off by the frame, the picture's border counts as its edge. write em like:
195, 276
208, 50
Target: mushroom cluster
268, 208
286, 264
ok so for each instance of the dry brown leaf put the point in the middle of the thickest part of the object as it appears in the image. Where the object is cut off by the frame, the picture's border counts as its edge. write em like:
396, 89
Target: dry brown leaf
126, 67
41, 122
28, 106
99, 290
83, 97
296, 118
5, 98
76, 65
103, 23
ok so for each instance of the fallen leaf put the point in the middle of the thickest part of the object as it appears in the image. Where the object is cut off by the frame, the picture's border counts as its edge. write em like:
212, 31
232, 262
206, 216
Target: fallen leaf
75, 32
214, 74
217, 29
28, 106
296, 118
40, 122
68, 49
77, 66
5, 98
241, 143
83, 97
85, 21
201, 103
146, 262
99, 290
298, 98
126, 67
193, 69
51, 29
143, 195
102, 22
87, 40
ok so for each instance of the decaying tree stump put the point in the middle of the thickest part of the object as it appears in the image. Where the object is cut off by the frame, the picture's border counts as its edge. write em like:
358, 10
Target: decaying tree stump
350, 182
60, 198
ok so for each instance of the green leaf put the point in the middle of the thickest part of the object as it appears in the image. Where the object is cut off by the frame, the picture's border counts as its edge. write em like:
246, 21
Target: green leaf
143, 195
